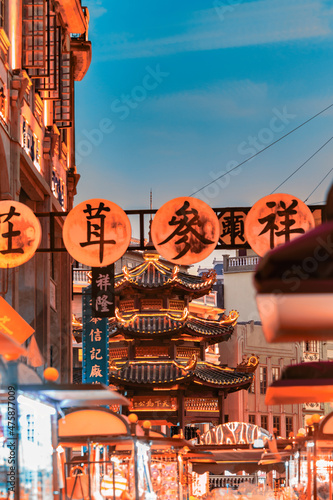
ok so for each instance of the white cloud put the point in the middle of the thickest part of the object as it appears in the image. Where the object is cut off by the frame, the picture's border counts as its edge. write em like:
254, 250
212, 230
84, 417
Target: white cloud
254, 23
234, 99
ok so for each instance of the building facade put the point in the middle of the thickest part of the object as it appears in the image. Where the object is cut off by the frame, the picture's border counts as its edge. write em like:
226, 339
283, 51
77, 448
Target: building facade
43, 50
273, 358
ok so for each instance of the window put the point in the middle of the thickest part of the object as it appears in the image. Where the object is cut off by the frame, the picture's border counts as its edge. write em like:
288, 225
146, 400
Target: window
275, 373
263, 379
2, 13
252, 387
311, 346
252, 419
264, 422
289, 425
276, 424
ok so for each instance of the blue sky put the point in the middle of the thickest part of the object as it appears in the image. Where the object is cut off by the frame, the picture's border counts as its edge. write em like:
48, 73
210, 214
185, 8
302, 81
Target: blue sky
178, 92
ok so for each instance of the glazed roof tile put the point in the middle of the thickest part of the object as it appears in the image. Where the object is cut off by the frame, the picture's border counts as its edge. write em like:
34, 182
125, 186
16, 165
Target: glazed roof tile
167, 324
218, 375
148, 372
152, 274
161, 372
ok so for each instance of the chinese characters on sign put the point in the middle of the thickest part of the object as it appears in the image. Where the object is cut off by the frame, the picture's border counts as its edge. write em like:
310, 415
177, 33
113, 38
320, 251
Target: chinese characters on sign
103, 291
95, 344
275, 220
185, 230
97, 232
153, 402
12, 324
20, 233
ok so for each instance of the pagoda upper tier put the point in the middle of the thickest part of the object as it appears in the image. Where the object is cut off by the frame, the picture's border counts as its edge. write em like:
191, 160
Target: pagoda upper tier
167, 324
153, 302
152, 275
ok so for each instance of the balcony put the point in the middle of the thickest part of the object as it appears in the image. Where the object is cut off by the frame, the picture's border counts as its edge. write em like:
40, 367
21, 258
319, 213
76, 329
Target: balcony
73, 14
240, 264
81, 277
310, 356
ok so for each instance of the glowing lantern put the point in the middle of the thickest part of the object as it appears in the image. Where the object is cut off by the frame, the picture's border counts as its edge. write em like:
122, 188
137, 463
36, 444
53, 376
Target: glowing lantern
51, 374
97, 232
20, 233
185, 230
276, 219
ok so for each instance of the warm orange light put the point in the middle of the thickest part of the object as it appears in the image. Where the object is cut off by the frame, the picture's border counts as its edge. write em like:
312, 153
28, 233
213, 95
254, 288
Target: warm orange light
97, 232
51, 374
132, 418
316, 418
185, 230
276, 219
20, 233
146, 424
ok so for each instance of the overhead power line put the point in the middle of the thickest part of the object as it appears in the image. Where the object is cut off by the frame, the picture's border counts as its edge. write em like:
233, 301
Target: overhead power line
264, 149
304, 163
328, 173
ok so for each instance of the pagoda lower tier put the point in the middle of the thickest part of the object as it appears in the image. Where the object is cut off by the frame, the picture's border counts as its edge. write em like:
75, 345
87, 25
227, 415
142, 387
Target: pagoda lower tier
160, 353
170, 391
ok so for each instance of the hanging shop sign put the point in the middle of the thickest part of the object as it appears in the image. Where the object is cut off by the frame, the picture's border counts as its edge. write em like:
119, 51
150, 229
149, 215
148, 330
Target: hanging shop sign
12, 324
95, 344
145, 403
275, 220
97, 232
20, 233
185, 230
102, 284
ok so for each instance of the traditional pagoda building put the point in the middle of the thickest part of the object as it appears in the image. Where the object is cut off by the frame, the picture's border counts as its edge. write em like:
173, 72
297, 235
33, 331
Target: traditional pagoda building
158, 349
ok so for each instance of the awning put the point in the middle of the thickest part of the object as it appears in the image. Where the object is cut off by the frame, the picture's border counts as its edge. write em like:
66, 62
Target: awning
78, 395
235, 461
296, 387
295, 288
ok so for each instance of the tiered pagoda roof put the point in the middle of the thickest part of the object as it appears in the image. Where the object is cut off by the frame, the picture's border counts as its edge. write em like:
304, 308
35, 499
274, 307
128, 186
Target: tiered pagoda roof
166, 324
153, 274
156, 344
166, 373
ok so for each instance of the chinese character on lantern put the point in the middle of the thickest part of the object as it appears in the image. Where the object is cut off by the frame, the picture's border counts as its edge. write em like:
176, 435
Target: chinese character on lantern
97, 232
20, 233
195, 234
275, 220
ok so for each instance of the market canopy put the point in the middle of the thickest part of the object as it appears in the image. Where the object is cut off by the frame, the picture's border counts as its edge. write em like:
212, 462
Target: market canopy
303, 383
235, 461
69, 395
91, 422
295, 285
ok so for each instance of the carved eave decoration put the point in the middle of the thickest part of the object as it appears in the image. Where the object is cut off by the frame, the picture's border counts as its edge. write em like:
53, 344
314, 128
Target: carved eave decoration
167, 323
249, 364
152, 274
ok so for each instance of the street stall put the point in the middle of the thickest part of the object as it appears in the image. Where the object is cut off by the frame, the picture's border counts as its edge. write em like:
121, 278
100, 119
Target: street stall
29, 459
112, 457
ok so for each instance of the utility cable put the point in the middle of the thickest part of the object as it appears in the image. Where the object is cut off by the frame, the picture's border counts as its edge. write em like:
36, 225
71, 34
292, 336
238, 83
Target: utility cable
304, 163
262, 150
328, 173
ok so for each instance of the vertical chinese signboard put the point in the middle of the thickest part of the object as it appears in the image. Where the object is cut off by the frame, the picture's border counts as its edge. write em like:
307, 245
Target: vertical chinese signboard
102, 284
95, 344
